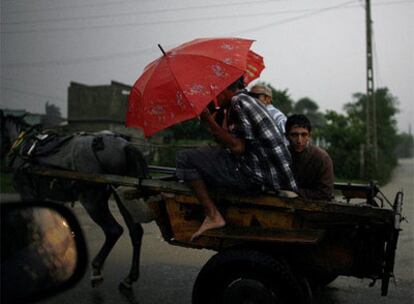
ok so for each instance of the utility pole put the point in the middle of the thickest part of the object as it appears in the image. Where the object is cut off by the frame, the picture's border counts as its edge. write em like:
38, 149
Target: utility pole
371, 116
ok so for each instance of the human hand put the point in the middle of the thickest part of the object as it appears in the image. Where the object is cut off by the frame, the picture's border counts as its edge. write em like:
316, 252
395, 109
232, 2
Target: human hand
205, 114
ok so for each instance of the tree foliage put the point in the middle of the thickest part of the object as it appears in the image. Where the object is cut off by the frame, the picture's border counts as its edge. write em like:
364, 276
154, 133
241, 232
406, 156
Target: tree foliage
346, 135
281, 99
306, 106
53, 116
310, 108
191, 130
405, 147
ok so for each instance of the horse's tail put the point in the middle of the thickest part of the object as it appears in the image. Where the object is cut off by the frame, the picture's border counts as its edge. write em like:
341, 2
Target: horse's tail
137, 165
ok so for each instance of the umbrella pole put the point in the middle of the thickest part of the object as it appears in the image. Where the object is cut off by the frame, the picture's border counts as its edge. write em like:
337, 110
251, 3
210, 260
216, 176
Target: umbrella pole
162, 50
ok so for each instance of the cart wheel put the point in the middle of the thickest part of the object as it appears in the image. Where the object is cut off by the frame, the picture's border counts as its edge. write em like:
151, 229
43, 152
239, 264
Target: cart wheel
307, 291
247, 276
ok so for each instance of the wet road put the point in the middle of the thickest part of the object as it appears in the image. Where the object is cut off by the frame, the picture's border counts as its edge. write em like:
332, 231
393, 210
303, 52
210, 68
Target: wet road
168, 272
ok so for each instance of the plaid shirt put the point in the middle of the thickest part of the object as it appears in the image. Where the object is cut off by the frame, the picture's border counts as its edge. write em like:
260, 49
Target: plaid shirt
266, 158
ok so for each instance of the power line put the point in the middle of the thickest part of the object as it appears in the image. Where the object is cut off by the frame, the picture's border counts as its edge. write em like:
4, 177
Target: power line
280, 22
99, 4
80, 60
135, 13
144, 23
28, 85
82, 28
135, 53
131, 24
393, 3
7, 78
151, 11
152, 49
153, 22
32, 93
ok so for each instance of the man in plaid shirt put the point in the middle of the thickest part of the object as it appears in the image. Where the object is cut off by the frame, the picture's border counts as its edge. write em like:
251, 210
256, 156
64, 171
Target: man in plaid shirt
254, 156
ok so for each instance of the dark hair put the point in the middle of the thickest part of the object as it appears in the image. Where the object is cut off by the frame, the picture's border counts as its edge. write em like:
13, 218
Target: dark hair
237, 85
298, 120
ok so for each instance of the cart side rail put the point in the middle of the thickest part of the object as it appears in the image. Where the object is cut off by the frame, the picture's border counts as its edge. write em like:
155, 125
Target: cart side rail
156, 186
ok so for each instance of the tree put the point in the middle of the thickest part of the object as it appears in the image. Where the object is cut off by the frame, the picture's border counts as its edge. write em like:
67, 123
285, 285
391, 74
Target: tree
305, 106
343, 135
346, 137
310, 108
53, 116
281, 99
405, 147
190, 130
387, 139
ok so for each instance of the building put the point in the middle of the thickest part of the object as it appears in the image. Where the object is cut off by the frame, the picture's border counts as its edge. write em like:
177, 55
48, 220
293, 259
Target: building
100, 107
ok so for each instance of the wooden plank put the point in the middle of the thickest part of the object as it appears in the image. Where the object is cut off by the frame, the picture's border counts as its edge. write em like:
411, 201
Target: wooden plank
150, 184
302, 236
161, 169
86, 177
165, 186
186, 194
294, 205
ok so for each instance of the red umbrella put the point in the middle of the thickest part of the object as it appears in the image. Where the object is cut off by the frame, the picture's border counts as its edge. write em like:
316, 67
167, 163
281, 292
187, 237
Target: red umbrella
179, 85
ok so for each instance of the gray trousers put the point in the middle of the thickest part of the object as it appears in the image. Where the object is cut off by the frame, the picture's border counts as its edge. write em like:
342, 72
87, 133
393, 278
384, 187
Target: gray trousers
216, 166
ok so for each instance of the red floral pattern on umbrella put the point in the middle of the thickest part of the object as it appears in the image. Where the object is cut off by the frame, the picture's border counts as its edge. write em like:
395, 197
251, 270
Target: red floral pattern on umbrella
179, 85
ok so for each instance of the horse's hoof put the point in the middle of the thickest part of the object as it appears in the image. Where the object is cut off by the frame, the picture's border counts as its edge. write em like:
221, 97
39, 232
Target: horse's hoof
96, 280
125, 288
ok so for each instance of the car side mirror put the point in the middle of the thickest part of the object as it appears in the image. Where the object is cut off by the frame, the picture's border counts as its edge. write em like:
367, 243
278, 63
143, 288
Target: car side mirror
43, 251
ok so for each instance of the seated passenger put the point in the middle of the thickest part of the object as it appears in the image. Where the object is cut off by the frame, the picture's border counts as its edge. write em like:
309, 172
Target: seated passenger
312, 166
254, 156
264, 94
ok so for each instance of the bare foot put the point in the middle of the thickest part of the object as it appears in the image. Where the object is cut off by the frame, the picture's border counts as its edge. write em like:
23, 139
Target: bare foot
209, 223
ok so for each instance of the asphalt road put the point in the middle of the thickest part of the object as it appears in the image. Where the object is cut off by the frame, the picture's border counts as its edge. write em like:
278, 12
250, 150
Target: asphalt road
168, 272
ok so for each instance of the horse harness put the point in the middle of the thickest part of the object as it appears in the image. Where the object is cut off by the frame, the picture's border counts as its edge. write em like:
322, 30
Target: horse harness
32, 144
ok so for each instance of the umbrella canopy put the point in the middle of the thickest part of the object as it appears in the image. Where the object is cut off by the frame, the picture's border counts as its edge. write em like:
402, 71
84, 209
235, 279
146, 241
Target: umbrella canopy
179, 85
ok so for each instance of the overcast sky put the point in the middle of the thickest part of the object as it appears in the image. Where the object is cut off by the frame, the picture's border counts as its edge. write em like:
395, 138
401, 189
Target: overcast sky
313, 48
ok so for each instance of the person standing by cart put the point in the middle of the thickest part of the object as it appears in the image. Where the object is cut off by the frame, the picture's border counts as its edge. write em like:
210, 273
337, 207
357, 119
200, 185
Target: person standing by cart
253, 156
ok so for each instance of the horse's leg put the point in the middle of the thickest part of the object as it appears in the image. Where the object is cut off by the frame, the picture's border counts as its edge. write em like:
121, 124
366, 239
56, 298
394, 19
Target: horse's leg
96, 205
136, 232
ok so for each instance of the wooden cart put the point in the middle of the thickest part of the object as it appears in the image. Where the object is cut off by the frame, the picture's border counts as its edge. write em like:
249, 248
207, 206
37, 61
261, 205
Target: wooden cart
273, 249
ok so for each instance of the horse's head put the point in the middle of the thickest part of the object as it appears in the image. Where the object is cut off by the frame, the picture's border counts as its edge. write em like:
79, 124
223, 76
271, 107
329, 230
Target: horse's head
11, 127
